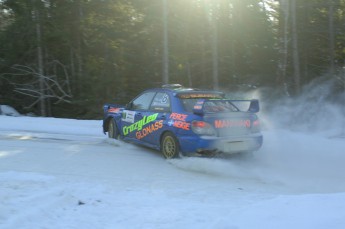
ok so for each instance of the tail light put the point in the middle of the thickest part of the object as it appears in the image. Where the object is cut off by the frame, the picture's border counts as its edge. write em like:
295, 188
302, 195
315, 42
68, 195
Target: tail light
255, 125
203, 128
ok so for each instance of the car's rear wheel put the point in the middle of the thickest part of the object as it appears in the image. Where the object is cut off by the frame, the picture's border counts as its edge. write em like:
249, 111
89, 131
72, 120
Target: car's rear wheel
113, 132
169, 146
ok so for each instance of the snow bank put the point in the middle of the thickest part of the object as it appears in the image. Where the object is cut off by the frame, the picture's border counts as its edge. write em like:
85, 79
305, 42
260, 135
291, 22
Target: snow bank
8, 110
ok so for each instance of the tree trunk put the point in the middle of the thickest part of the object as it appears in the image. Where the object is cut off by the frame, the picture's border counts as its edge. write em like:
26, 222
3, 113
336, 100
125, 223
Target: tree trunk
36, 16
77, 57
215, 57
284, 43
295, 51
189, 74
331, 35
165, 44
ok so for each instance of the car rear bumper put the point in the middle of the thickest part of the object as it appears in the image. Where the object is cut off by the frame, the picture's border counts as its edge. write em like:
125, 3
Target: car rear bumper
228, 145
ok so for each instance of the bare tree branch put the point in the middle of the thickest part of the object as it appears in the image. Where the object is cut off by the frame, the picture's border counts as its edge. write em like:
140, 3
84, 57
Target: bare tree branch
53, 87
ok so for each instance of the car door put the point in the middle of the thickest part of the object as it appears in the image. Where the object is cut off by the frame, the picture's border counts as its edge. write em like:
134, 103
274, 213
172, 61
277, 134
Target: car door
136, 116
160, 108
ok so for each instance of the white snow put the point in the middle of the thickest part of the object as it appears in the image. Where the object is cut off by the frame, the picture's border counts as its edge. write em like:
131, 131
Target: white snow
8, 110
64, 173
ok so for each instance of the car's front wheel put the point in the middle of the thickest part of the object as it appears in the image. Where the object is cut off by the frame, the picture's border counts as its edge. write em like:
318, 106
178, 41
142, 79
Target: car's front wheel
112, 129
169, 146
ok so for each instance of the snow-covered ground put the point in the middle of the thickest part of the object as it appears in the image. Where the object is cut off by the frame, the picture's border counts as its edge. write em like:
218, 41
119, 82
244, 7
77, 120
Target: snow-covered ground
64, 173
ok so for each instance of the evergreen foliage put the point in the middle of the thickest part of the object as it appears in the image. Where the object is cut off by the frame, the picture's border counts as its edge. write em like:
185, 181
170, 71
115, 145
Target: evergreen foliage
65, 58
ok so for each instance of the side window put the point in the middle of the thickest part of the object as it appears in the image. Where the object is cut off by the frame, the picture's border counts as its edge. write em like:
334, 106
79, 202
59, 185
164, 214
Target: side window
143, 101
161, 102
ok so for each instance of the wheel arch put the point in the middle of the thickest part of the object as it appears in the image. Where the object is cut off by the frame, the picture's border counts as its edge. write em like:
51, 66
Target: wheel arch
178, 153
168, 131
162, 134
107, 121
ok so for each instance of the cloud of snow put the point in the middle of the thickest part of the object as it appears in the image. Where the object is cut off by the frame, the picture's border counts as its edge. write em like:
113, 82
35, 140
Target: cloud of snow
319, 108
302, 140
302, 149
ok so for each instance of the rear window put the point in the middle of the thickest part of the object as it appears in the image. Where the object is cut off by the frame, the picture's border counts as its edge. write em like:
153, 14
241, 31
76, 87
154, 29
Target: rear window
210, 106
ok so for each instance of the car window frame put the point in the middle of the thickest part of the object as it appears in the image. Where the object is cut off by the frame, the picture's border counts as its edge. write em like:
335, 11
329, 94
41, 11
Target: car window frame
164, 110
131, 104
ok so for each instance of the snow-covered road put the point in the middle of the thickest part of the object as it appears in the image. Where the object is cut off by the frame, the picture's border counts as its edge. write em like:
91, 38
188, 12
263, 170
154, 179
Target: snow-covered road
63, 173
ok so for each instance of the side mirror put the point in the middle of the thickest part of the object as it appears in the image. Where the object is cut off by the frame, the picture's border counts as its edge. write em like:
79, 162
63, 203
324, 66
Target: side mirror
129, 106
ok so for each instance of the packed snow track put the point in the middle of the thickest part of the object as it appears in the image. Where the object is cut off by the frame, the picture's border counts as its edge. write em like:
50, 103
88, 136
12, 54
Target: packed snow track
64, 173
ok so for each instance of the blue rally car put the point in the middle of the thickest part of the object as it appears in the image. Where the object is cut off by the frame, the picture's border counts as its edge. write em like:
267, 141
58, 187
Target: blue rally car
184, 121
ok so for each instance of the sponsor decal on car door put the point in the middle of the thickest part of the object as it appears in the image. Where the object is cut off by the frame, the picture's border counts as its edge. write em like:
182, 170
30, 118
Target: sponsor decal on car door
160, 106
128, 116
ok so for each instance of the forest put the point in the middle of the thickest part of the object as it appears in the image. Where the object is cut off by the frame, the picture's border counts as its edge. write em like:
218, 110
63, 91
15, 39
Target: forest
66, 58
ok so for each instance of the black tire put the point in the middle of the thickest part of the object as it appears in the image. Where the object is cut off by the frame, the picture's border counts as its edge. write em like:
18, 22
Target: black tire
113, 132
169, 146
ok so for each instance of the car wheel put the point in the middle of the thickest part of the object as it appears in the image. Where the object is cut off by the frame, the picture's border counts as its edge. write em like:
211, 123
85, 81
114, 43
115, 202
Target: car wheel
169, 146
112, 129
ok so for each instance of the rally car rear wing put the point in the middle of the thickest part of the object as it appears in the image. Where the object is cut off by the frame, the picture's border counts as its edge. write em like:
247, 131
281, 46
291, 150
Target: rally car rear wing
250, 106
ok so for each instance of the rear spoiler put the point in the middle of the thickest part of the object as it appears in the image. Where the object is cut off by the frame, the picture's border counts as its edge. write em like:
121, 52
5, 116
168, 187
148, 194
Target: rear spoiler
250, 106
